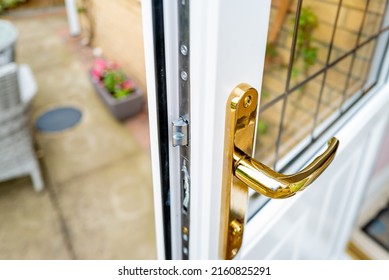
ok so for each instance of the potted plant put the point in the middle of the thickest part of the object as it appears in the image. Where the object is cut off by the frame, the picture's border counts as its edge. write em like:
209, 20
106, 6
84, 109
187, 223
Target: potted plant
120, 94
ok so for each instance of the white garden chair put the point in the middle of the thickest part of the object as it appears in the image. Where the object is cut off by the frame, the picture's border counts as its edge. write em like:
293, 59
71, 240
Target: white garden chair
17, 156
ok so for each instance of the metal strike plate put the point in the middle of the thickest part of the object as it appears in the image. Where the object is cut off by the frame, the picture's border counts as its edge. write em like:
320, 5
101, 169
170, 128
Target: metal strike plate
180, 132
241, 116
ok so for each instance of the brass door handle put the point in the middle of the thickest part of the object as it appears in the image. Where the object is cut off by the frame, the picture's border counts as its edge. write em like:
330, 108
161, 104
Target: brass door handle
270, 183
240, 171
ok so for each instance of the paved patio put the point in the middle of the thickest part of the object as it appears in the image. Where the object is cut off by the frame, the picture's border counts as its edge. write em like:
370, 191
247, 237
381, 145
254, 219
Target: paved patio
97, 202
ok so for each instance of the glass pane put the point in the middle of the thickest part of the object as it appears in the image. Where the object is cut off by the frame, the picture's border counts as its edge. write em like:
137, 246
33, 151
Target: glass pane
334, 88
313, 37
334, 44
360, 69
267, 133
347, 29
377, 6
372, 25
301, 106
278, 49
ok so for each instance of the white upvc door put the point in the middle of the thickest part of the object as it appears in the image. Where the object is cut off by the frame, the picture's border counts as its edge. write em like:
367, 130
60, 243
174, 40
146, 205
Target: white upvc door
227, 47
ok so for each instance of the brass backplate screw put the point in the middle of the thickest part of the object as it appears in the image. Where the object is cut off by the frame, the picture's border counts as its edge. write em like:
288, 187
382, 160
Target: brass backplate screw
236, 228
234, 252
236, 231
247, 101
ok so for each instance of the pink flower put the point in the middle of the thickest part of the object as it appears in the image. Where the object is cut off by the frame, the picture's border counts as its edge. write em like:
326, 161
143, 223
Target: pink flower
96, 74
99, 67
128, 85
100, 63
109, 75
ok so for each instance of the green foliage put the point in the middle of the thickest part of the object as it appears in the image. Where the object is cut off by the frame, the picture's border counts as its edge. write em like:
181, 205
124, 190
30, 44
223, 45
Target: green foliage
7, 4
262, 127
265, 93
81, 10
113, 82
305, 52
271, 50
109, 75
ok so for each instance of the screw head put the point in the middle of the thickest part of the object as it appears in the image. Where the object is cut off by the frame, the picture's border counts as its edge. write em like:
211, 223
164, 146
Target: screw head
234, 252
184, 49
247, 101
236, 228
184, 75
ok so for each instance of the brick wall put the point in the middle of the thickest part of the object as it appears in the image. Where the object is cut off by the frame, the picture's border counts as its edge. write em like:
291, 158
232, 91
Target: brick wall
349, 22
118, 31
318, 98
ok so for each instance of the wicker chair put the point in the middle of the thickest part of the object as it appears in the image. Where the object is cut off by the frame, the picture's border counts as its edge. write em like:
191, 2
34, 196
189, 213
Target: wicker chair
17, 156
8, 35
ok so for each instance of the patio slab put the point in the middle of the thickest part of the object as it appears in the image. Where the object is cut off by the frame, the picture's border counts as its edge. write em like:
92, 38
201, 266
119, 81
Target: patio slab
109, 214
30, 226
97, 202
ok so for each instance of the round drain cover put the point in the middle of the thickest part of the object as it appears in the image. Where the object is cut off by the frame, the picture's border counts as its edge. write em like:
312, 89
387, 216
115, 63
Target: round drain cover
58, 119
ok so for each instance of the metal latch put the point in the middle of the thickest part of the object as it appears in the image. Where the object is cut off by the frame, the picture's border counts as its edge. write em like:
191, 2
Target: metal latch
180, 132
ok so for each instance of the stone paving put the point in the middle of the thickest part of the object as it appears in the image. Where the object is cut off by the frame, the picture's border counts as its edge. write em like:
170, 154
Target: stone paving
98, 201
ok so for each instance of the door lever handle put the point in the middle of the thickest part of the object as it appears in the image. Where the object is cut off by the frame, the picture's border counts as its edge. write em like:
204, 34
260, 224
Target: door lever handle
240, 171
270, 183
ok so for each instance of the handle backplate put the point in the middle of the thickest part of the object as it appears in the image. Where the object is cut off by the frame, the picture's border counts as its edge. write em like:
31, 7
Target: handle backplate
240, 128
241, 171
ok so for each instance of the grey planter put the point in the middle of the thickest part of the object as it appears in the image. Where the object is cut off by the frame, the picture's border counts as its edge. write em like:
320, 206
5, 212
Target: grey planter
121, 108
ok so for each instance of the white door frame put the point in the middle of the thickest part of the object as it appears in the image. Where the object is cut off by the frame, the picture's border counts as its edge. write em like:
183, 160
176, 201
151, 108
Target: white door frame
170, 12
